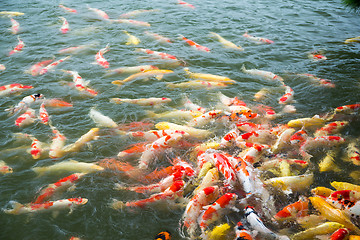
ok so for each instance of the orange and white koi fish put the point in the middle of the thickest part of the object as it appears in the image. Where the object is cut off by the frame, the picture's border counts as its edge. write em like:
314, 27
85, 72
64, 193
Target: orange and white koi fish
137, 12
43, 114
161, 55
67, 9
153, 135
14, 26
36, 149
258, 136
288, 97
132, 40
316, 142
186, 4
65, 25
57, 144
194, 44
299, 137
142, 101
217, 209
291, 184
261, 73
158, 37
103, 15
293, 210
193, 209
63, 204
331, 128
56, 188
316, 56
209, 77
25, 103
35, 69
242, 233
4, 168
135, 69
100, 58
322, 229
92, 134
18, 47
348, 109
68, 166
316, 80
80, 84
198, 84
257, 39
101, 120
56, 103
52, 65
253, 151
14, 88
157, 73
205, 118
226, 43
132, 22
133, 150
194, 132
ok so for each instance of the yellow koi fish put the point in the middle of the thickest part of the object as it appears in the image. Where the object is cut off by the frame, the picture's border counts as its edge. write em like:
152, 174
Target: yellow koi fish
351, 40
68, 166
11, 14
87, 137
132, 40
194, 132
322, 229
226, 43
198, 84
158, 73
291, 183
209, 77
306, 122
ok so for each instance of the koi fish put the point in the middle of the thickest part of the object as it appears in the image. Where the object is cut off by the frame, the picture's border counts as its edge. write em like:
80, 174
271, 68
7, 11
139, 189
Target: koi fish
132, 40
58, 187
141, 101
52, 65
291, 183
253, 151
10, 13
259, 136
92, 134
351, 40
316, 120
322, 229
226, 43
188, 104
56, 103
158, 37
217, 209
99, 13
67, 9
134, 69
36, 149
14, 88
153, 135
261, 95
288, 97
316, 142
345, 186
68, 166
261, 73
299, 137
257, 224
132, 150
80, 84
25, 103
340, 234
65, 25
293, 210
198, 84
209, 77
18, 47
2, 67
43, 114
35, 69
257, 39
165, 235
331, 128
157, 73
100, 58
283, 140
316, 56
101, 120
194, 44
352, 154
132, 22
14, 26
193, 132
175, 114
57, 205
316, 80
161, 55
186, 4
76, 49
137, 12
205, 118
347, 109
4, 169
241, 232
328, 162
57, 144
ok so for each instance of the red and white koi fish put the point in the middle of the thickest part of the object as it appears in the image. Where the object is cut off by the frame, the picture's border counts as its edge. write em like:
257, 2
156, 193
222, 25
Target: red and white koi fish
352, 153
186, 4
257, 224
56, 103
57, 205
135, 69
283, 140
293, 210
52, 65
259, 136
288, 97
25, 103
153, 135
35, 69
194, 44
58, 187
257, 39
43, 114
161, 55
171, 193
261, 73
14, 26
320, 81
269, 112
65, 25
101, 120
4, 169
36, 149
14, 88
157, 147
229, 138
331, 128
57, 144
244, 173
67, 9
18, 47
253, 151
100, 58
242, 233
193, 209
249, 126
188, 104
217, 209
80, 84
141, 101
299, 137
350, 208
316, 142
103, 15
158, 37
205, 118
137, 12
132, 22
133, 150
316, 56
347, 109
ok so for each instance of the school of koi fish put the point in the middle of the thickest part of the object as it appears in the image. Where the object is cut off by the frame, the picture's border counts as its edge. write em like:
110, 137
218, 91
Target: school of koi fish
233, 169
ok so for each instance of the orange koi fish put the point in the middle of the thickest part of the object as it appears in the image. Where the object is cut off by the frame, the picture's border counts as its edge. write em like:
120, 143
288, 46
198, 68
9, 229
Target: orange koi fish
14, 26
18, 47
134, 149
257, 39
65, 25
52, 65
186, 4
57, 205
35, 69
67, 9
56, 103
316, 56
165, 235
293, 210
194, 44
58, 187
100, 58
14, 88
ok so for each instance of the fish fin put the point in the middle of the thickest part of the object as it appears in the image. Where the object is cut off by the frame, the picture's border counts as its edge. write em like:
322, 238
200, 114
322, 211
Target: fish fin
243, 68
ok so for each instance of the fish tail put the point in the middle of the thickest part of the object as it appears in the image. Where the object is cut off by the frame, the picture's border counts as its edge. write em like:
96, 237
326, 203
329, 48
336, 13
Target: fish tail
16, 208
243, 68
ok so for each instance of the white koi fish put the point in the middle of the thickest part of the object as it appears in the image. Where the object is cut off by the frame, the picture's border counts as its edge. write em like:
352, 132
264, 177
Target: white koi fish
188, 104
52, 65
209, 77
158, 37
137, 12
14, 26
142, 101
226, 43
101, 120
68, 166
14, 88
18, 47
264, 74
65, 25
134, 69
100, 58
316, 80
288, 97
57, 205
257, 39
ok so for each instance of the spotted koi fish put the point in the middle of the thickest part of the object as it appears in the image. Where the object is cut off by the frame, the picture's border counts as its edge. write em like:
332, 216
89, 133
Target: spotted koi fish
80, 84
36, 149
186, 4
288, 97
293, 210
100, 58
43, 114
103, 15
194, 44
242, 233
65, 25
331, 128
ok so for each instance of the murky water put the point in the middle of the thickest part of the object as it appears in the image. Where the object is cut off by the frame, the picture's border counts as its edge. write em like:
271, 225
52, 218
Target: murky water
296, 27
